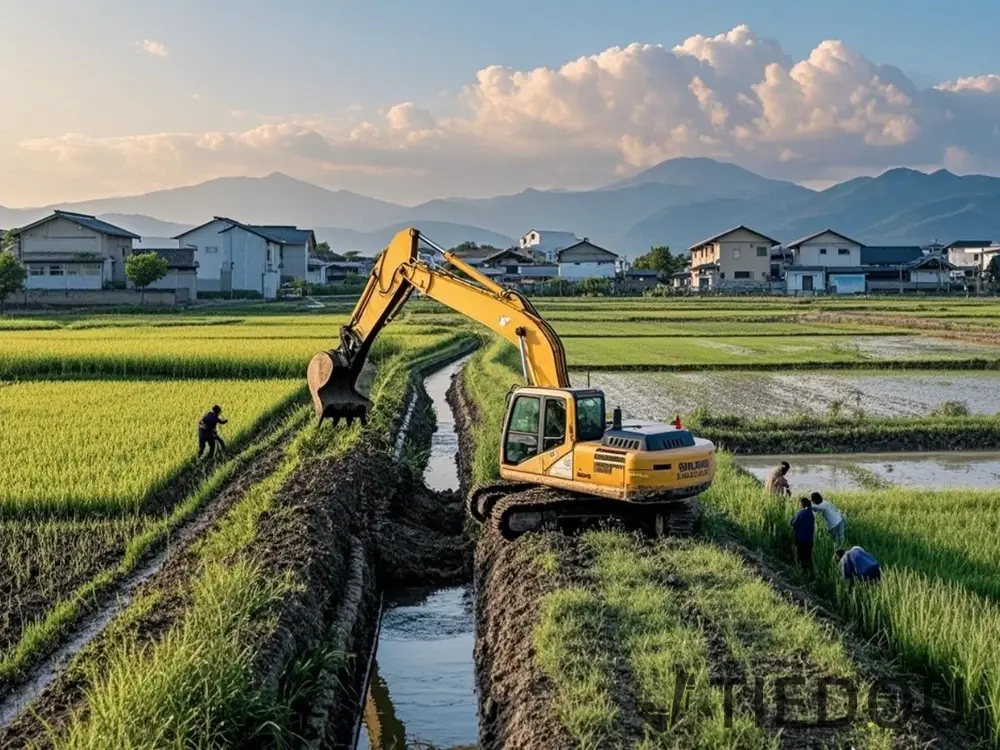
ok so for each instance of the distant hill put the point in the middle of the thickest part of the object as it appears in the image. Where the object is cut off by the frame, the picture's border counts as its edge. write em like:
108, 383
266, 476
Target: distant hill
676, 203
901, 206
274, 199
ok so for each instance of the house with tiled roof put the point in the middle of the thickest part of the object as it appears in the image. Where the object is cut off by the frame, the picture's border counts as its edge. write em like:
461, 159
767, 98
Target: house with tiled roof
737, 258
68, 251
251, 257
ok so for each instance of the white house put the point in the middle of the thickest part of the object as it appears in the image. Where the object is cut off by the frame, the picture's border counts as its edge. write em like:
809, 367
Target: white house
67, 250
297, 244
584, 260
969, 256
825, 260
233, 255
547, 243
215, 270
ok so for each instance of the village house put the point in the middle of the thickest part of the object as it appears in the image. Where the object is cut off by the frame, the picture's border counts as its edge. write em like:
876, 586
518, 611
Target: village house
337, 270
546, 243
516, 266
182, 273
734, 259
585, 260
232, 255
68, 250
969, 256
905, 268
822, 261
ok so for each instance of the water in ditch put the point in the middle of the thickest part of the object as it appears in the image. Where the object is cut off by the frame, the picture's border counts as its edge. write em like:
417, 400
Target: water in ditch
422, 689
832, 472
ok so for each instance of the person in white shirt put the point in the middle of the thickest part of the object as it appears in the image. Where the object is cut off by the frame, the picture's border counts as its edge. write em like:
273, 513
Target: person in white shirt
833, 517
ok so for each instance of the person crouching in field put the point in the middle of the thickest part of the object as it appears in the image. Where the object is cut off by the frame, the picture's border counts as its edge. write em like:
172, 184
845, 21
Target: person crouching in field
804, 524
858, 565
834, 518
207, 435
776, 483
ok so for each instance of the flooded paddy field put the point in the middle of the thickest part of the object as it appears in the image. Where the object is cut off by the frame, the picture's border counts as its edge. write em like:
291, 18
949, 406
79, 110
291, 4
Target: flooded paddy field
767, 351
870, 471
661, 396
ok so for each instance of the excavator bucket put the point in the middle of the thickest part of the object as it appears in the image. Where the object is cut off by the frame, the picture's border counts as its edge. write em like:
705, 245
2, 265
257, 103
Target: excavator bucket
334, 394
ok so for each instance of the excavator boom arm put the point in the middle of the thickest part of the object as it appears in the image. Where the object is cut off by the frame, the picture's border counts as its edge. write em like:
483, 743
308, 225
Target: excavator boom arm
397, 273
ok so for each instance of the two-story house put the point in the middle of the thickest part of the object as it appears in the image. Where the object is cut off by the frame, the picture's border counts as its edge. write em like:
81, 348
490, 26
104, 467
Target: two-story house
68, 250
969, 256
585, 260
822, 261
546, 243
738, 257
249, 257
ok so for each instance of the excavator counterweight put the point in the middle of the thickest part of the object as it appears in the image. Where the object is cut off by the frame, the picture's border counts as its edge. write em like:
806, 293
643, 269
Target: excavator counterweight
562, 461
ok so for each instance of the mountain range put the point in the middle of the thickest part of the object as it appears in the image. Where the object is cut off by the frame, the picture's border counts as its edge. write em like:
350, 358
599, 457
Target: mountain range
676, 203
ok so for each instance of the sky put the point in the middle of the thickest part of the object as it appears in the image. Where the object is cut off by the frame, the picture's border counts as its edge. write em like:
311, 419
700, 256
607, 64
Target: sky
410, 100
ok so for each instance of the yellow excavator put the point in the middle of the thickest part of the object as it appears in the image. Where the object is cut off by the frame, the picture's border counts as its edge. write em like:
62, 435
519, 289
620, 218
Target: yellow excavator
555, 435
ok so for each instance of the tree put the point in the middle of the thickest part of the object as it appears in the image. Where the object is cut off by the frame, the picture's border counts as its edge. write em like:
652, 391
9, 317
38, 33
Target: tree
352, 254
12, 276
594, 286
143, 269
659, 259
7, 240
992, 272
323, 252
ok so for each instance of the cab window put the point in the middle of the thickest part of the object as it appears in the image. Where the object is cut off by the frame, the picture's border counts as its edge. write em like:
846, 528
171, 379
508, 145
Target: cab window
555, 423
522, 434
590, 417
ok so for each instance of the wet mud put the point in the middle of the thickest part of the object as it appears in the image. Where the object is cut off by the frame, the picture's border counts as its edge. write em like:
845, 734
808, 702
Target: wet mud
515, 695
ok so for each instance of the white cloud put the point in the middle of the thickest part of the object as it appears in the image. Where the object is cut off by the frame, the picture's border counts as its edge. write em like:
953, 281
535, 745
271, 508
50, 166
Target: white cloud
157, 49
732, 96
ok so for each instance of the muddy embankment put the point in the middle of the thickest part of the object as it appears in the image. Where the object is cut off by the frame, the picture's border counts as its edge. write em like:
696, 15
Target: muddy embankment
345, 528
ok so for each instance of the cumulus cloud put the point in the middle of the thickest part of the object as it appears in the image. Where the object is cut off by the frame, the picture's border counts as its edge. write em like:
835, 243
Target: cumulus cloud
157, 49
733, 96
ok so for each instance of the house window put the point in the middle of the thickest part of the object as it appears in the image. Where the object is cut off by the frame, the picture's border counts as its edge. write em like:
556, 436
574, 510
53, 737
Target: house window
761, 252
742, 275
72, 270
822, 251
736, 253
90, 269
975, 257
843, 251
807, 283
55, 270
211, 249
34, 269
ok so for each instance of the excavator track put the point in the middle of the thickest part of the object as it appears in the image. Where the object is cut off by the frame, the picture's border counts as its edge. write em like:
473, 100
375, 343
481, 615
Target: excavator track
552, 510
479, 501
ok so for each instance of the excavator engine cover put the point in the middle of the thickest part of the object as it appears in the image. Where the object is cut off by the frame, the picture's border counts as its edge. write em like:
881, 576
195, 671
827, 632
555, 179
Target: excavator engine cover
332, 384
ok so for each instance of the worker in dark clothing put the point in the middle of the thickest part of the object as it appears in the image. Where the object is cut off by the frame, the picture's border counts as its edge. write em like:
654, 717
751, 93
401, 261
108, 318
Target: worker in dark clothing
207, 435
804, 524
858, 565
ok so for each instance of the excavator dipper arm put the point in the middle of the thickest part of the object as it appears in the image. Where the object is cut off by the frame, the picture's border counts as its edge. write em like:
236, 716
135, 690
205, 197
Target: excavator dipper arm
398, 271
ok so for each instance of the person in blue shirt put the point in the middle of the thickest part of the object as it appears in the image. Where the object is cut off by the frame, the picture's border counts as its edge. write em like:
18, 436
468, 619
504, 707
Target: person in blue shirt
858, 565
804, 525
